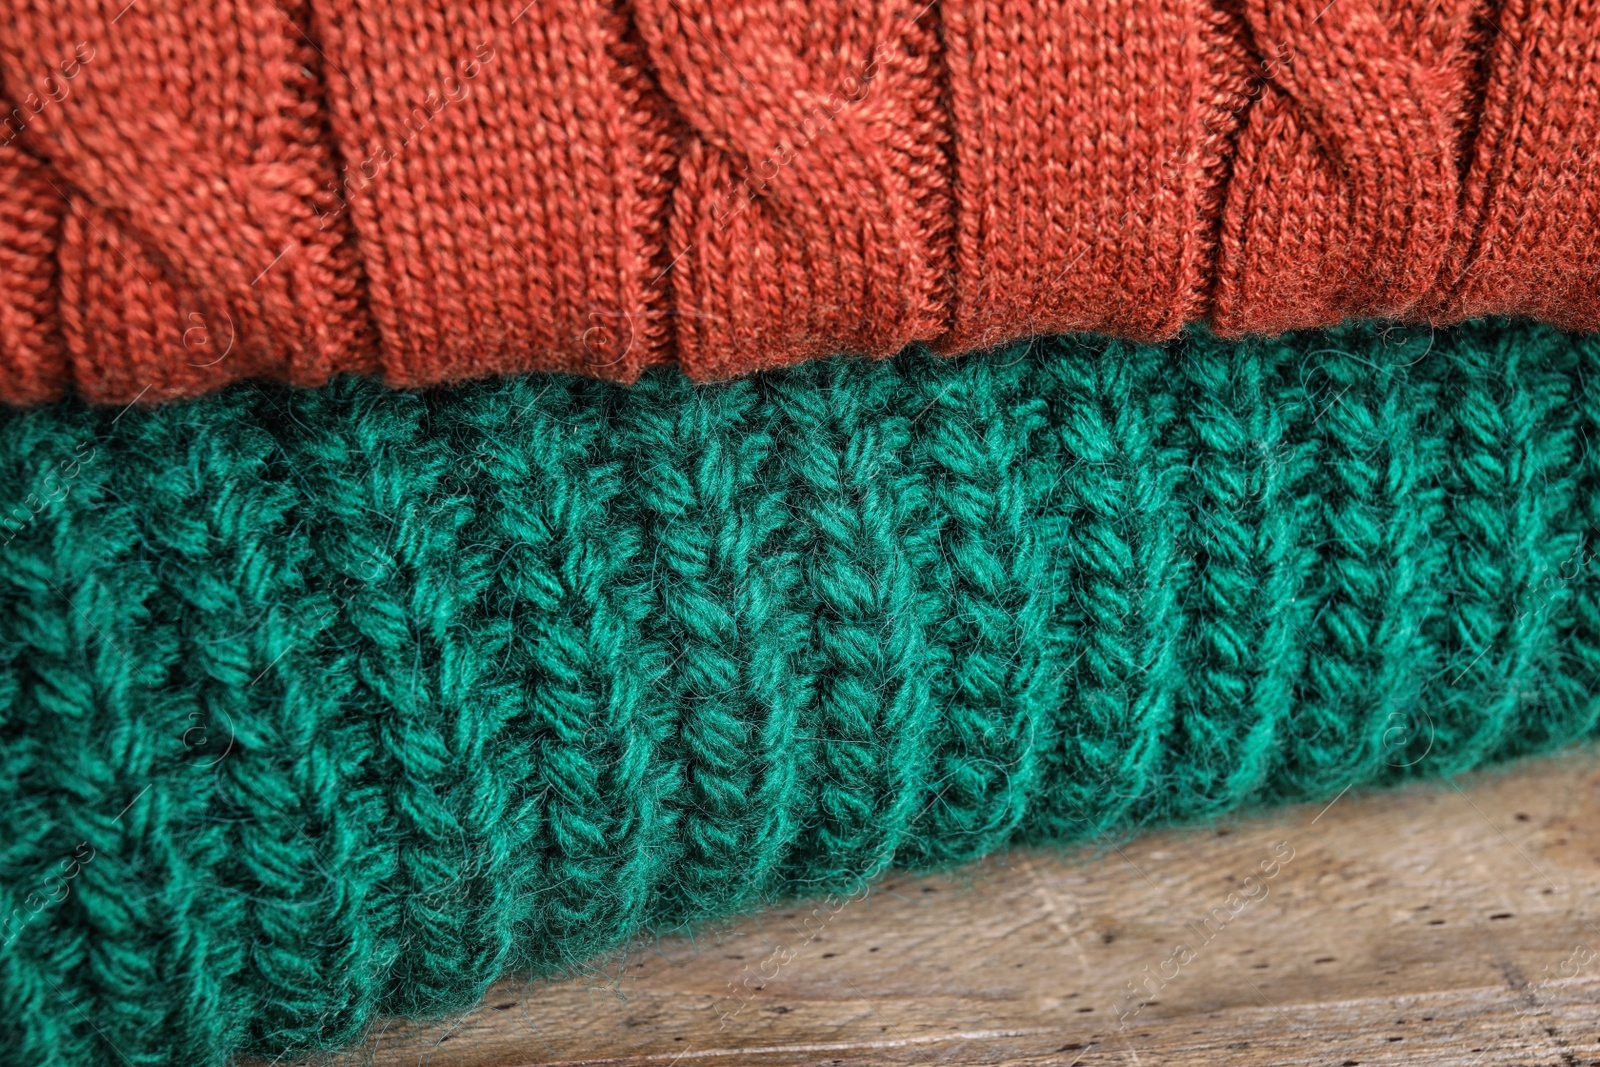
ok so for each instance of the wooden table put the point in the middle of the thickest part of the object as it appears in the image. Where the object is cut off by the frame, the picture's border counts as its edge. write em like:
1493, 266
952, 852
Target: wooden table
1454, 924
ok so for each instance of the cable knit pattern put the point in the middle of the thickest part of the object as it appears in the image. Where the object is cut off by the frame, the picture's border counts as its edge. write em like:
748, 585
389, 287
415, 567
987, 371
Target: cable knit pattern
227, 189
322, 704
187, 144
812, 197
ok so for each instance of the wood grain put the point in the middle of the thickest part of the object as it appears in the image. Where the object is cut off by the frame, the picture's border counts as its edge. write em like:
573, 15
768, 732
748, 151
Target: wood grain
1453, 923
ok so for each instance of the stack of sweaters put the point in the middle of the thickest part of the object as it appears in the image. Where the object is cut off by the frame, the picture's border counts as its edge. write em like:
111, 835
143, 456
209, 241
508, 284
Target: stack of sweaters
481, 482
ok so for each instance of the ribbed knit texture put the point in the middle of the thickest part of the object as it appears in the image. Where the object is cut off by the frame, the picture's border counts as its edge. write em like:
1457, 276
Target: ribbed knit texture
318, 704
200, 191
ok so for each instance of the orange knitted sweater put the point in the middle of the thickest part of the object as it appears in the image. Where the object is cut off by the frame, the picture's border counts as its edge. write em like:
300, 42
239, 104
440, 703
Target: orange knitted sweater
198, 191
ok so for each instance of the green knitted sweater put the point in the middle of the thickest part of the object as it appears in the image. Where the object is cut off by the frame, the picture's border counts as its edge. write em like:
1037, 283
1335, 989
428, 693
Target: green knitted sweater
317, 705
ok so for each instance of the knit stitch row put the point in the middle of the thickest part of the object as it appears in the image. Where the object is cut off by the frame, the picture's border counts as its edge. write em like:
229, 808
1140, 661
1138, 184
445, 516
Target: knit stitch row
200, 191
323, 704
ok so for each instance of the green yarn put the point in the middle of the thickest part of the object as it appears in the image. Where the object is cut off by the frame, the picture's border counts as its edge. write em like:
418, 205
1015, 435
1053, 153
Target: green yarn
318, 705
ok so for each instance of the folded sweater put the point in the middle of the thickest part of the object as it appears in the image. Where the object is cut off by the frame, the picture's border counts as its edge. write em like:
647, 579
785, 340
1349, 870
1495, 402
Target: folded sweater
321, 704
199, 191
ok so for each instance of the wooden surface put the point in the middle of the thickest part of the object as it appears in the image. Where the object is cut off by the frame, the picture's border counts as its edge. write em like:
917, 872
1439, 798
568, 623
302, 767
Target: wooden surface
1452, 924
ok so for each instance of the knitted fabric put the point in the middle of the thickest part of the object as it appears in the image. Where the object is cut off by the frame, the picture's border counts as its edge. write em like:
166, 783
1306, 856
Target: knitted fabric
199, 191
320, 704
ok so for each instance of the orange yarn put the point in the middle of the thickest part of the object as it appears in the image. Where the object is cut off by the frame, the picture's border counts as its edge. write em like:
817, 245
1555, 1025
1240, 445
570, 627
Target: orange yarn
199, 192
